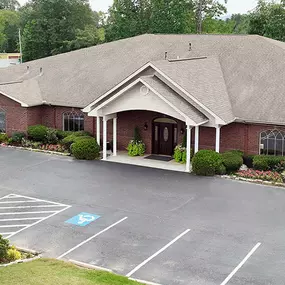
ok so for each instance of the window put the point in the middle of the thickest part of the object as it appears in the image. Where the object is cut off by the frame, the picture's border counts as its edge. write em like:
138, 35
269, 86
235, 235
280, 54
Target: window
2, 121
73, 122
272, 142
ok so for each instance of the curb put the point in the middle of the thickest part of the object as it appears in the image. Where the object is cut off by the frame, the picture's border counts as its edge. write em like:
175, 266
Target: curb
255, 181
21, 261
144, 282
38, 150
89, 266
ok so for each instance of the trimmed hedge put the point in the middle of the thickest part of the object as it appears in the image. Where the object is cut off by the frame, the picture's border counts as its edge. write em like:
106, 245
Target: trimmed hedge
69, 140
17, 137
37, 133
266, 162
207, 163
232, 161
85, 148
3, 138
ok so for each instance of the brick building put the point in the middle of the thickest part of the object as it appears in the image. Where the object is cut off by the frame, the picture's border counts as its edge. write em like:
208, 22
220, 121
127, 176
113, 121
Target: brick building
224, 92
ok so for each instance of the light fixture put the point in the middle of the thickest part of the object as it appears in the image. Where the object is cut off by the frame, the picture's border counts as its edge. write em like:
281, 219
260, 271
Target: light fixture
145, 126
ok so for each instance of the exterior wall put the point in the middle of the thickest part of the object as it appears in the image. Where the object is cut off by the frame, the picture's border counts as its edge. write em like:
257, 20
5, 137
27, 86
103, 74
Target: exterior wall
16, 116
127, 121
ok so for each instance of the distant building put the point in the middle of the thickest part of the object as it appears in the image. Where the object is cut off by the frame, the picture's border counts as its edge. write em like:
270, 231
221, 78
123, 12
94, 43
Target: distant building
7, 59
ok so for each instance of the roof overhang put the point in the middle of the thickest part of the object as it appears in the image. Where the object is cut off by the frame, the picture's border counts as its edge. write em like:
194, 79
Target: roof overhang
14, 99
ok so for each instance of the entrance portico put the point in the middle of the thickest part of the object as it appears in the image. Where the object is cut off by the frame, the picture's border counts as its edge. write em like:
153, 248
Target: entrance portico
174, 116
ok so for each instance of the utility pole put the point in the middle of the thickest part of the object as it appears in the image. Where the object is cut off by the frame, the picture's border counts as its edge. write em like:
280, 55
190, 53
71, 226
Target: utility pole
20, 44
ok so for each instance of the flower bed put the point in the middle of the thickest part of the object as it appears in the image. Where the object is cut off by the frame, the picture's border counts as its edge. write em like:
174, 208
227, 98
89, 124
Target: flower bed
261, 175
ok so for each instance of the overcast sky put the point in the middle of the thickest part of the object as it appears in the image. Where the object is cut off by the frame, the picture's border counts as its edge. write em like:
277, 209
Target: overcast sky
234, 6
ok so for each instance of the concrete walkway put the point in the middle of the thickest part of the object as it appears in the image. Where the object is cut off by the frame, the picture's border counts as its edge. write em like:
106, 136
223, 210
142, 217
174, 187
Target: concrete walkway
122, 157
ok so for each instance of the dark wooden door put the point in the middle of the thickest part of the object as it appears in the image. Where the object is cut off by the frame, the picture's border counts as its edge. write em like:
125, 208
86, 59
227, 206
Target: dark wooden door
163, 138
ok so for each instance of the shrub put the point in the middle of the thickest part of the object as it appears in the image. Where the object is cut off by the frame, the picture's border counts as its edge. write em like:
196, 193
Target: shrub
17, 137
37, 133
63, 134
13, 254
3, 138
237, 152
86, 148
232, 161
69, 140
136, 148
266, 162
207, 163
180, 154
82, 134
4, 246
51, 136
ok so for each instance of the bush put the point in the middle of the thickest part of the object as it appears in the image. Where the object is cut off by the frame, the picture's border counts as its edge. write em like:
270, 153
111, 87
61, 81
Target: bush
37, 133
3, 138
180, 154
86, 148
232, 161
4, 246
69, 140
63, 134
17, 137
266, 162
82, 134
207, 163
51, 136
13, 254
136, 148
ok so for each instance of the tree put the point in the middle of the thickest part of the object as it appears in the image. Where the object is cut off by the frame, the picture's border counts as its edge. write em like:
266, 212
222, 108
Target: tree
268, 20
169, 16
9, 27
9, 4
52, 26
207, 9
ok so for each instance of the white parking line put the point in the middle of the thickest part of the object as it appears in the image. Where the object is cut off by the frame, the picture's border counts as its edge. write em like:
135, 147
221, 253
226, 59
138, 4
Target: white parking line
157, 253
87, 240
241, 264
7, 233
34, 219
23, 213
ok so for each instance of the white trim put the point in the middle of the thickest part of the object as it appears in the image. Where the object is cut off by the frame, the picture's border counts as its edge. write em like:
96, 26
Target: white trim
149, 64
218, 138
98, 130
157, 253
14, 99
104, 138
115, 136
87, 109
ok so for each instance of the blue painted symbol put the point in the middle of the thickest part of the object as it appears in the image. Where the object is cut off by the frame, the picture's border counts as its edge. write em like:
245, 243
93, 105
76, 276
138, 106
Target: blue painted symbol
83, 219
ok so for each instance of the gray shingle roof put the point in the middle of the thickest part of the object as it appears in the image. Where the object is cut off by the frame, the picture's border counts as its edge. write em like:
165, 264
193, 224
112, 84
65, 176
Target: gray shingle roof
253, 69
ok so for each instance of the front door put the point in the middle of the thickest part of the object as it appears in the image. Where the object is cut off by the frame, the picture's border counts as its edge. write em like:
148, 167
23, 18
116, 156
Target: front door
163, 138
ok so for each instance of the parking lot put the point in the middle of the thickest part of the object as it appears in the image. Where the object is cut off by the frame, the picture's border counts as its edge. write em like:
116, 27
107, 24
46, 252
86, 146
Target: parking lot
159, 226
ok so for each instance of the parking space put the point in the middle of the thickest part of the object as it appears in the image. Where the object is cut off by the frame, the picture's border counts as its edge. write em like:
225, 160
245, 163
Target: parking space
159, 226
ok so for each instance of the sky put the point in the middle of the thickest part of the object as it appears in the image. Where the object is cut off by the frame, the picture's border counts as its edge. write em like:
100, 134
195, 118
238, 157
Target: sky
234, 6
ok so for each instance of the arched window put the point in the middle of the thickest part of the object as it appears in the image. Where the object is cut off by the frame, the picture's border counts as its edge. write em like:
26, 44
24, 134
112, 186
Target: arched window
73, 122
272, 142
2, 121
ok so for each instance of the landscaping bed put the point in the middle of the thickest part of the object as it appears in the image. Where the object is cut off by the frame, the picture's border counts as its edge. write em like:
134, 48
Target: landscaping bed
51, 272
39, 138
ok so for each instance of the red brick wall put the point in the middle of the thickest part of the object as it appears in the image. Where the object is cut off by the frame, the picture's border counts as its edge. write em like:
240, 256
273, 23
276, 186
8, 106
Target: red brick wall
16, 116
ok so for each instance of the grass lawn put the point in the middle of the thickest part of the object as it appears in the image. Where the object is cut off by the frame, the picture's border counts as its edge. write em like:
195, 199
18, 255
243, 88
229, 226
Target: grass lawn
54, 272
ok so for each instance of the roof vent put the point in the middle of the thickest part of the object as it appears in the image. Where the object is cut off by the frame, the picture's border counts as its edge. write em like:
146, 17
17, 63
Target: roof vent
190, 46
165, 55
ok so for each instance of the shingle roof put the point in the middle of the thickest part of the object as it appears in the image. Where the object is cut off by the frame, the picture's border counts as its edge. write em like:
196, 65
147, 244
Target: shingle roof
253, 69
174, 99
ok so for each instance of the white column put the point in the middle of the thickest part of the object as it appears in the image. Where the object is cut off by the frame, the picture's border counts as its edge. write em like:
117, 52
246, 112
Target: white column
98, 130
104, 138
115, 136
196, 139
218, 138
188, 149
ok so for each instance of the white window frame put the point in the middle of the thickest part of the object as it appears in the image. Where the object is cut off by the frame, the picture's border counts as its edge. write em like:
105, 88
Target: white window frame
272, 134
77, 117
5, 120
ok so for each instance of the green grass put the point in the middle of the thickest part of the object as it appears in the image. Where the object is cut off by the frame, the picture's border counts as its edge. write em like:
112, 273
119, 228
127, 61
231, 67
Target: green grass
54, 272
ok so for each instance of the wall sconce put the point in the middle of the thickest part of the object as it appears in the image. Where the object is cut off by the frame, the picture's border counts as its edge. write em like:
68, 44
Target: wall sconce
145, 127
182, 131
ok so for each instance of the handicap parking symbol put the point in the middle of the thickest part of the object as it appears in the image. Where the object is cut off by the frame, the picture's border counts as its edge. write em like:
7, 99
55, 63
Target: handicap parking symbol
83, 219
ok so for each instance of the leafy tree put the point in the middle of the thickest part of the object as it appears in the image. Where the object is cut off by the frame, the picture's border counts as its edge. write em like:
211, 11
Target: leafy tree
9, 4
52, 26
207, 9
268, 20
9, 26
